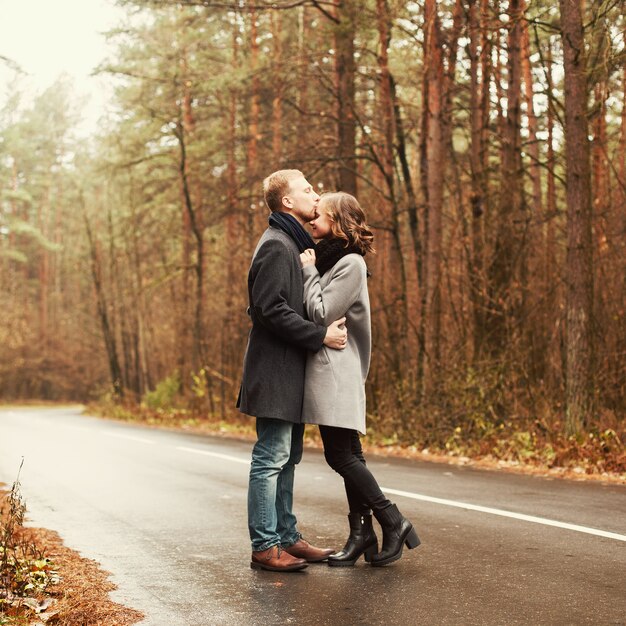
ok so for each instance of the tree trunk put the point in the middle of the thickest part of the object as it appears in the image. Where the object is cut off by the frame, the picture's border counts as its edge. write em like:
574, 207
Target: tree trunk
44, 275
600, 168
386, 101
119, 311
256, 216
407, 178
185, 361
538, 327
620, 226
277, 100
533, 142
579, 264
345, 32
551, 209
550, 270
384, 157
197, 228
505, 270
235, 270
435, 172
184, 341
101, 303
478, 179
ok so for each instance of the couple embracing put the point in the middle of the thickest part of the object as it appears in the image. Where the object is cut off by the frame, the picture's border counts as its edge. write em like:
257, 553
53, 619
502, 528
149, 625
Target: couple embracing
307, 359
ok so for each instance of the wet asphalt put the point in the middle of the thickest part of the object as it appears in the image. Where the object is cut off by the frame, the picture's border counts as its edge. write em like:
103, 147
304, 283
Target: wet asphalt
165, 513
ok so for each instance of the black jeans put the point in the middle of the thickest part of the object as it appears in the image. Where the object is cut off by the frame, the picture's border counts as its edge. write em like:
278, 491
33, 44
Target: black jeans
343, 452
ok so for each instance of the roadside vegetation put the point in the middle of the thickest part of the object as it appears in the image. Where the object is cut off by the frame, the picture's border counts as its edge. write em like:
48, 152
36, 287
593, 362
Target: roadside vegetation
44, 582
472, 436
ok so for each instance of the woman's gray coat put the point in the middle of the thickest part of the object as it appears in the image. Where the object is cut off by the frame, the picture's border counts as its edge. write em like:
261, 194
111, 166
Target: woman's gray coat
334, 390
274, 363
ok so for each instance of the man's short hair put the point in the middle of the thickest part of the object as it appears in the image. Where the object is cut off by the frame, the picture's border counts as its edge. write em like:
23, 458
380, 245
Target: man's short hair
276, 187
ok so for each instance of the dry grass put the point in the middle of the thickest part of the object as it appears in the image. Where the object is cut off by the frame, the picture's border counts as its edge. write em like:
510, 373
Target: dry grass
83, 591
81, 595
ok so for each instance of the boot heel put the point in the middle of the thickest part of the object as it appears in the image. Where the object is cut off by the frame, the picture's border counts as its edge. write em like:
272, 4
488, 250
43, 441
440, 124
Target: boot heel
412, 540
370, 552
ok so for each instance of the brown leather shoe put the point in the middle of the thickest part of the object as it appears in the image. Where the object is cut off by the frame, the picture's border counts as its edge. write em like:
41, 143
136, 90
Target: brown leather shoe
304, 550
276, 559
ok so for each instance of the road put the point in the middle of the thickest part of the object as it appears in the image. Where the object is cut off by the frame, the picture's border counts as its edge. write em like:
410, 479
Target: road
164, 512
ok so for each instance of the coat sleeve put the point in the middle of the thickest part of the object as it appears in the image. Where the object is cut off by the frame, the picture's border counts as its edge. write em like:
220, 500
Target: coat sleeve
324, 306
270, 277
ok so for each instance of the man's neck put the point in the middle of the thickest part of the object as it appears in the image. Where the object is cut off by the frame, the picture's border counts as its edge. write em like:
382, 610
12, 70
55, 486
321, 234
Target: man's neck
296, 217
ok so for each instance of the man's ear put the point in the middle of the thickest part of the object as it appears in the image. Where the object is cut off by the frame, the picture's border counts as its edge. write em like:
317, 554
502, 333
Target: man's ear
287, 202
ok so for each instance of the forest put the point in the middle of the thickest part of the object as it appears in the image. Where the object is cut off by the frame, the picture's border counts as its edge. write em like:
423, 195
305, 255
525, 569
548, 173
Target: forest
486, 140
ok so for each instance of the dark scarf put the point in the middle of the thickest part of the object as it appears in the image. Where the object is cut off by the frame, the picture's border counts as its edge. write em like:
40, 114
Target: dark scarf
290, 225
329, 251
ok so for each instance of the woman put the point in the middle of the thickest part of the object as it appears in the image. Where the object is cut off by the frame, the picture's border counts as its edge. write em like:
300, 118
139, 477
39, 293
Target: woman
335, 285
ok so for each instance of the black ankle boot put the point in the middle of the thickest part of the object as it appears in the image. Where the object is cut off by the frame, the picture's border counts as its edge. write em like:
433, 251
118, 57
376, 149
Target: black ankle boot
397, 531
362, 540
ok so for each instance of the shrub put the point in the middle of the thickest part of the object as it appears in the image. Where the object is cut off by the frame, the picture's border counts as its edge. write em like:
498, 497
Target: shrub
164, 395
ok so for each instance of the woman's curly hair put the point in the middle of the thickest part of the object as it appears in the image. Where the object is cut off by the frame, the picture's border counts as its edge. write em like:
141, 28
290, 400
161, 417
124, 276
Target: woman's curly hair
348, 220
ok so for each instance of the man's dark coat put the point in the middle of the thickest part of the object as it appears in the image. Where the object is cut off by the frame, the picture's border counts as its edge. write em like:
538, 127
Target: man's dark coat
275, 360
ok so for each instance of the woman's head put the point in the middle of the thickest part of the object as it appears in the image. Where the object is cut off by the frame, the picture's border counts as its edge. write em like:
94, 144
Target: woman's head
340, 216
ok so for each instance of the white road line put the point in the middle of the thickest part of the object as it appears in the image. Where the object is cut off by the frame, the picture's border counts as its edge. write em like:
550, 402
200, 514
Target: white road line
217, 455
502, 513
454, 503
129, 437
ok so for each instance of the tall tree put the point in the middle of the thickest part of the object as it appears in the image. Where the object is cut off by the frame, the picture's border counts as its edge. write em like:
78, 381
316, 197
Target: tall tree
434, 174
505, 271
479, 51
345, 68
579, 264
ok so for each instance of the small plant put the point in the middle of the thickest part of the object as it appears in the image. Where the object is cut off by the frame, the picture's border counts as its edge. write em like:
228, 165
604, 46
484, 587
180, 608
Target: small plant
10, 570
199, 385
164, 395
24, 570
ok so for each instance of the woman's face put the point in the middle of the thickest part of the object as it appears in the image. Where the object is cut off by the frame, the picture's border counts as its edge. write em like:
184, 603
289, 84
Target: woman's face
322, 222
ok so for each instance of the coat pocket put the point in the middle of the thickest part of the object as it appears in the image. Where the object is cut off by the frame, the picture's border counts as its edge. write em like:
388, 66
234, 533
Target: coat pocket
323, 356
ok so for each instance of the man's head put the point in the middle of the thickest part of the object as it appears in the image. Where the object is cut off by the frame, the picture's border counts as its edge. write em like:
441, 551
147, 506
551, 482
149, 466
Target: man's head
290, 192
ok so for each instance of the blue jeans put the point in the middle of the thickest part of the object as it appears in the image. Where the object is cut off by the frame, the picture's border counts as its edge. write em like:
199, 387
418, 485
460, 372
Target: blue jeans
275, 455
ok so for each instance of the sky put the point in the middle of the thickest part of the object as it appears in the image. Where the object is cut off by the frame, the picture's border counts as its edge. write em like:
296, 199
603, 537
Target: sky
49, 37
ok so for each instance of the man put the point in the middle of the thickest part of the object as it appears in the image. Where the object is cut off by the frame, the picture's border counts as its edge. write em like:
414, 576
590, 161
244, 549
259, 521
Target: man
273, 372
